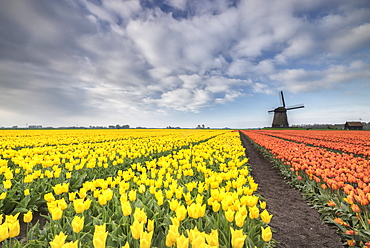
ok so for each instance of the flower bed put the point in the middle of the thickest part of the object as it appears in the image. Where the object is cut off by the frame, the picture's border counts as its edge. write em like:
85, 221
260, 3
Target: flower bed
336, 183
117, 188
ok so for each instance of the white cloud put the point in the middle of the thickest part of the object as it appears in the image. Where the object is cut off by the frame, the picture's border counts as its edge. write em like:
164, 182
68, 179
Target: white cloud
300, 80
178, 4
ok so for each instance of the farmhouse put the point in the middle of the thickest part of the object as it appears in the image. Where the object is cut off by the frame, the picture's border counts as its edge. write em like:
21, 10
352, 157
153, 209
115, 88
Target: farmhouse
353, 125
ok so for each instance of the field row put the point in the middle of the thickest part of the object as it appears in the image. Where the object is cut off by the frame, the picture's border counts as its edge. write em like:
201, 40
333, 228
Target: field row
355, 142
158, 188
340, 182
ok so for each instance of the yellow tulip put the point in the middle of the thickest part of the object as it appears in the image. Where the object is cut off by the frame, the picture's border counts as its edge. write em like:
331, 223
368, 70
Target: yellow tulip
150, 226
179, 192
262, 205
62, 204
253, 212
172, 235
216, 206
14, 229
49, 197
108, 194
175, 221
56, 213
160, 200
136, 229
181, 213
142, 188
78, 224
10, 219
146, 239
78, 205
251, 200
127, 245
3, 196
26, 192
72, 196
199, 199
58, 240
237, 238
174, 204
61, 188
82, 193
239, 219
126, 208
265, 216
132, 195
71, 244
7, 184
27, 217
100, 236
188, 199
212, 238
198, 242
266, 234
4, 232
87, 204
243, 210
169, 194
229, 214
102, 199
140, 215
195, 210
182, 242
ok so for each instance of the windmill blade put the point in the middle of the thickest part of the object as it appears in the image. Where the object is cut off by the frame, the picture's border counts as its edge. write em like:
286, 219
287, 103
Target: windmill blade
297, 107
271, 111
282, 98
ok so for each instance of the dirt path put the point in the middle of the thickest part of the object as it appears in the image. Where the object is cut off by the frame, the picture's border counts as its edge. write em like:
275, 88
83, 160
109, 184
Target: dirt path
295, 223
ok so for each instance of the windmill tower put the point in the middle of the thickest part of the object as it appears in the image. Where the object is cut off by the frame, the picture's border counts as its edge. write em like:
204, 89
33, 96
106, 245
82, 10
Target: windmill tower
280, 116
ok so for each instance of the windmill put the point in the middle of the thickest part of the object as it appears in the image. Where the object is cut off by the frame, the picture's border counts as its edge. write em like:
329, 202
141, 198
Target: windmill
280, 116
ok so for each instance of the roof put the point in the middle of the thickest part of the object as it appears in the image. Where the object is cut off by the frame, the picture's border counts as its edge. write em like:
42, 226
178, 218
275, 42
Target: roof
354, 123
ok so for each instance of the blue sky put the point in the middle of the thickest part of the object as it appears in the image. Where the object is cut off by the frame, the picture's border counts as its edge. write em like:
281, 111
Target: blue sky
183, 62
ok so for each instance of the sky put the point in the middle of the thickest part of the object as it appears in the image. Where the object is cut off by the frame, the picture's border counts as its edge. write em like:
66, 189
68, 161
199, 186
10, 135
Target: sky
183, 63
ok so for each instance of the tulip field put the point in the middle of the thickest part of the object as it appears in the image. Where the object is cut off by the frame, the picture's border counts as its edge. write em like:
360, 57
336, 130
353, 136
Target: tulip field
331, 168
146, 188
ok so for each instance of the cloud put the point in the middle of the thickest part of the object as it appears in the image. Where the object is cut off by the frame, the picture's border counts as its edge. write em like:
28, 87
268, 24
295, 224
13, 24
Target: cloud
300, 80
115, 58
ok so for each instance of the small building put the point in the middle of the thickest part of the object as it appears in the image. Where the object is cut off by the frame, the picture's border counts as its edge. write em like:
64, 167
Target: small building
353, 125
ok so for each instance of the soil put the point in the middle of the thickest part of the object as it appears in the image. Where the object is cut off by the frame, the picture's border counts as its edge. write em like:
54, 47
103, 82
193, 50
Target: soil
294, 222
